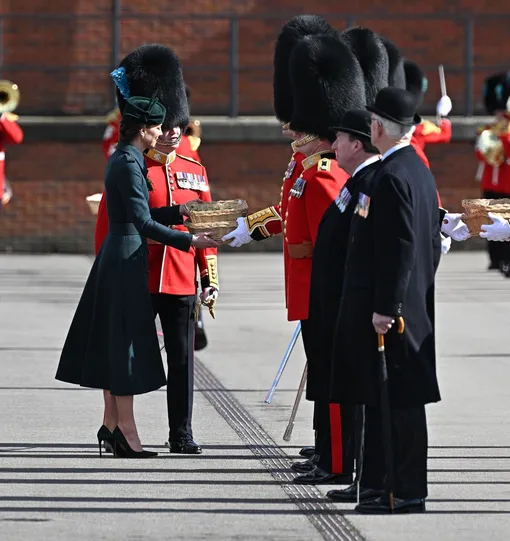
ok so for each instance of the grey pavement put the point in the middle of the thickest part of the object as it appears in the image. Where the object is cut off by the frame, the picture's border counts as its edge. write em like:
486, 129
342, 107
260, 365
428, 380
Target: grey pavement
53, 485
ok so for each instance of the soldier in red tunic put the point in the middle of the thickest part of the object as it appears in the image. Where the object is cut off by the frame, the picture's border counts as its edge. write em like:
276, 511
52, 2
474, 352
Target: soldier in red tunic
10, 134
270, 221
175, 180
492, 151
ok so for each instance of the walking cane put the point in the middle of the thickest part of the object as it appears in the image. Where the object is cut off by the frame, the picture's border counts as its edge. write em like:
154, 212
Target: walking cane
385, 414
290, 425
283, 364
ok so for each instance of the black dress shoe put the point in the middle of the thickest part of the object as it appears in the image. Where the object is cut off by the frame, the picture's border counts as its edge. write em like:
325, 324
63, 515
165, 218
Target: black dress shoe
307, 452
185, 446
321, 477
350, 494
381, 506
305, 466
494, 266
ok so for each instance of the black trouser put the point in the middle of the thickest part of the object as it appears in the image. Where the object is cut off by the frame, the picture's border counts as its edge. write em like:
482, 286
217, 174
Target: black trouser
176, 314
333, 425
410, 444
499, 252
335, 437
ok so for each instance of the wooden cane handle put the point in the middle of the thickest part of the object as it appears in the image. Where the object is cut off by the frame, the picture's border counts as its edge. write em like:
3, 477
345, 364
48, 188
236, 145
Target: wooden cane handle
400, 325
380, 341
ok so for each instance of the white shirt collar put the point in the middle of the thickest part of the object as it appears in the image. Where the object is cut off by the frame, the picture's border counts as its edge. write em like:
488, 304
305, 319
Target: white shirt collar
368, 161
395, 148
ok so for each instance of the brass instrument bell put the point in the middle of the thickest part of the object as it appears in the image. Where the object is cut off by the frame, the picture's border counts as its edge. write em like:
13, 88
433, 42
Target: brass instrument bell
9, 96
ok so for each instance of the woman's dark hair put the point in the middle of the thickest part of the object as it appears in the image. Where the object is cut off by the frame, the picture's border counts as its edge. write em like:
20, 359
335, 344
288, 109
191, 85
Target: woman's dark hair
368, 147
129, 128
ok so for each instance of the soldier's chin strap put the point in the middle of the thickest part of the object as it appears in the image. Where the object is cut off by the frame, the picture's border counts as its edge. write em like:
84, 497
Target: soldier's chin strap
296, 145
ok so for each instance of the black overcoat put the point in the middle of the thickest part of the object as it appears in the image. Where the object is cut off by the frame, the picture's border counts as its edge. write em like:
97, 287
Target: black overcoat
328, 264
112, 342
394, 251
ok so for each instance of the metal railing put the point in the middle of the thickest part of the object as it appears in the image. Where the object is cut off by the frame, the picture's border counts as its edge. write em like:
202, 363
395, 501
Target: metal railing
115, 20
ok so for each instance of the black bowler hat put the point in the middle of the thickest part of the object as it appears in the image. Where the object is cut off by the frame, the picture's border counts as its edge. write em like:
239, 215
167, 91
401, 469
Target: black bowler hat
397, 105
356, 122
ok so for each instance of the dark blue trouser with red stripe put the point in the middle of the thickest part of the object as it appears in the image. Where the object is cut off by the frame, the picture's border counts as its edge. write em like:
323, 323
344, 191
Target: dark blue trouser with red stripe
335, 426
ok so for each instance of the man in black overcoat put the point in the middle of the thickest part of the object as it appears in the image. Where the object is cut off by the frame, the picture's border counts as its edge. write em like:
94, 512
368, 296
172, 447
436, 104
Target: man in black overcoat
358, 157
394, 252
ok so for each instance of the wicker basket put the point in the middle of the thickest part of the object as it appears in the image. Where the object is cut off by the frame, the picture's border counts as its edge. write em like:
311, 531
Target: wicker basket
218, 217
93, 202
477, 212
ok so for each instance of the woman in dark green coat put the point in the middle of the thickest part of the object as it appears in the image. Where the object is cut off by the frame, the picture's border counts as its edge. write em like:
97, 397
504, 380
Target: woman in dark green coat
112, 343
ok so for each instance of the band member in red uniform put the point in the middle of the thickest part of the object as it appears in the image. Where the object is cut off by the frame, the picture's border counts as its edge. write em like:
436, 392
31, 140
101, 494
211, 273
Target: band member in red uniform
175, 180
10, 134
319, 103
427, 132
492, 151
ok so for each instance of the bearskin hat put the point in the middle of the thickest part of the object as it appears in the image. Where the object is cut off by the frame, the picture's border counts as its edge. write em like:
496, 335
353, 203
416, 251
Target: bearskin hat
295, 29
327, 80
372, 56
396, 75
156, 70
416, 82
496, 92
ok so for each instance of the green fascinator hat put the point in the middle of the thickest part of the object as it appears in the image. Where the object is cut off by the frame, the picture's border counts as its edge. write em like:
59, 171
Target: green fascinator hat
147, 111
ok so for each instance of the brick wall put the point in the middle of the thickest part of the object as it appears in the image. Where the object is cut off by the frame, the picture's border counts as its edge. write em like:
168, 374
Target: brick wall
51, 180
51, 59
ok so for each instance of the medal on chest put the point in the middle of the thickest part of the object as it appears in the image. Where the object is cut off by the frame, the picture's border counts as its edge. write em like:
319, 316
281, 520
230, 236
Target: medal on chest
298, 188
290, 169
363, 205
343, 199
191, 181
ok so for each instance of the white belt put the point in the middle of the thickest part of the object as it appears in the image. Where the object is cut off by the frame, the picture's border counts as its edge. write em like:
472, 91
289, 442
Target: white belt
2, 156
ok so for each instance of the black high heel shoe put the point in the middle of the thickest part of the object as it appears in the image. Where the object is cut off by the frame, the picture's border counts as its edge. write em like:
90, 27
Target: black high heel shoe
122, 448
104, 435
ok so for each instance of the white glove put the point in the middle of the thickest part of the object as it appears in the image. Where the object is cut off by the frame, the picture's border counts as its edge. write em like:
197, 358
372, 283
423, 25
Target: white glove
444, 106
240, 234
498, 230
209, 295
446, 244
454, 227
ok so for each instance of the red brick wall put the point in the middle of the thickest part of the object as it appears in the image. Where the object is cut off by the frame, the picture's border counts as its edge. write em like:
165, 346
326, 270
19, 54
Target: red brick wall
31, 44
51, 180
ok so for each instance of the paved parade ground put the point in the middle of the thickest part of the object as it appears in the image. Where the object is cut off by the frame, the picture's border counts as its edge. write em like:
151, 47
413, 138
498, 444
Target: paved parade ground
53, 485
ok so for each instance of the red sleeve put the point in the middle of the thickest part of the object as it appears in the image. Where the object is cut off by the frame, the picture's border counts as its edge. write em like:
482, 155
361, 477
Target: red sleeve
320, 192
428, 133
275, 227
442, 135
204, 255
10, 131
101, 224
